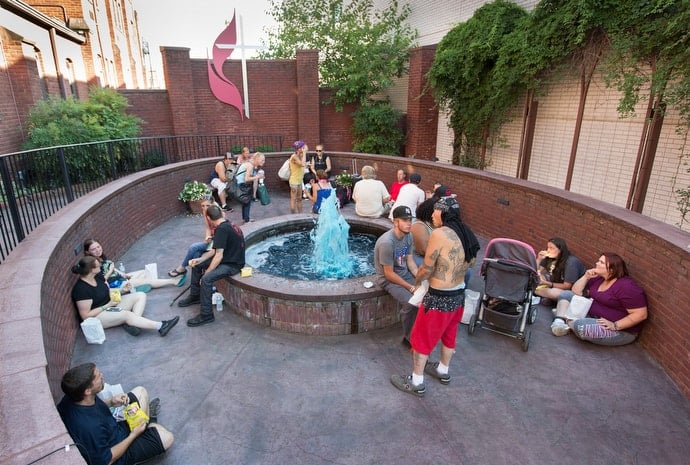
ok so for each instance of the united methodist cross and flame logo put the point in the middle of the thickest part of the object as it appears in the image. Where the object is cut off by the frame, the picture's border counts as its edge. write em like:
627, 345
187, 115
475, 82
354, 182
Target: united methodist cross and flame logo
223, 89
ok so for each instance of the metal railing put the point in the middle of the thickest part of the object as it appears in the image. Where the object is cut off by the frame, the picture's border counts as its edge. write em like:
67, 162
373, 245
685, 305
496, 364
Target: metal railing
34, 184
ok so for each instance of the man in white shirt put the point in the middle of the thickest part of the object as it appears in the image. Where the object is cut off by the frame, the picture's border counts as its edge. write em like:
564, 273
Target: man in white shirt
410, 195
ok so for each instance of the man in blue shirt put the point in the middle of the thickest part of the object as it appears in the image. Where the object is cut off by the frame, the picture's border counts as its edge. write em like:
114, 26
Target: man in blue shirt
101, 438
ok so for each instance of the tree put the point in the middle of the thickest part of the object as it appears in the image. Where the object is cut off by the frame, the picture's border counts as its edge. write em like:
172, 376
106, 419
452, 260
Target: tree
360, 50
102, 117
464, 81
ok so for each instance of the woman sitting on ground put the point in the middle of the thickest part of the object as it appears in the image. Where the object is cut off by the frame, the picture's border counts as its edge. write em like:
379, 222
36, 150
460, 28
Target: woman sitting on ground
319, 190
137, 279
91, 295
558, 270
619, 305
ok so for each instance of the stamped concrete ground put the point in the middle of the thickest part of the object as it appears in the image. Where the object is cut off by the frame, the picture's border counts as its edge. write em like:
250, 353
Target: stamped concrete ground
236, 393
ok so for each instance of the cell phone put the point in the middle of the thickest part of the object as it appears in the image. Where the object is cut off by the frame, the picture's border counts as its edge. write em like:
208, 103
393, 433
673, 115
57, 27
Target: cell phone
113, 309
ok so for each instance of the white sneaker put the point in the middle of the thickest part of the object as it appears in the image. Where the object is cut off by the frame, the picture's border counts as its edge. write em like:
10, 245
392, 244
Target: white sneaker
559, 327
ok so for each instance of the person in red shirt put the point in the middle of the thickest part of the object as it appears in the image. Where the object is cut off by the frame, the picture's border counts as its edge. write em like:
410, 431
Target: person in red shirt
400, 181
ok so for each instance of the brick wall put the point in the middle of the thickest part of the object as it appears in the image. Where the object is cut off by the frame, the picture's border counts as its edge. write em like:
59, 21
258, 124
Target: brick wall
152, 106
422, 111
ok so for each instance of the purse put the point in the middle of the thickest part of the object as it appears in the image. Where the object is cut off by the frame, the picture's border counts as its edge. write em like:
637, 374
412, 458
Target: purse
284, 171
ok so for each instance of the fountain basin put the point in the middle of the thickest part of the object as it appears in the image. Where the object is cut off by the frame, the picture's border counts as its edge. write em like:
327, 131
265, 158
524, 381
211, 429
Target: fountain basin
326, 307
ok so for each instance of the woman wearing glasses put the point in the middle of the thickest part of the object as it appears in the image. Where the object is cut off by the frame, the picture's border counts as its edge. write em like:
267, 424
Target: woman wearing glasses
320, 161
619, 305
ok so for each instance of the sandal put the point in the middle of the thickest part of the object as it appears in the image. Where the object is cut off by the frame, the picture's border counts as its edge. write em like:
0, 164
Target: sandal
174, 273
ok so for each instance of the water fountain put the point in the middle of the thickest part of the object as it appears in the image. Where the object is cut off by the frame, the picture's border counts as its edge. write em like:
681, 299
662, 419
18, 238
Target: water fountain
332, 306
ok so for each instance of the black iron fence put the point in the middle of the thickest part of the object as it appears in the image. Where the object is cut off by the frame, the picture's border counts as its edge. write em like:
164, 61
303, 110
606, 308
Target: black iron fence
34, 184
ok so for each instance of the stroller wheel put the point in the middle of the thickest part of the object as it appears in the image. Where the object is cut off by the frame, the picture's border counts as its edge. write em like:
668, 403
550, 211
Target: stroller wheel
472, 324
525, 341
532, 317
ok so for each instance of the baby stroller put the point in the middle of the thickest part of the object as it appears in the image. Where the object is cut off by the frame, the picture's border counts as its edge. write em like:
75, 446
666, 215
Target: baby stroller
510, 277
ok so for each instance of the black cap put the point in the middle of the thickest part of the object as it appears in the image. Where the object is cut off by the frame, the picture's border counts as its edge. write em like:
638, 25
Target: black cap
415, 178
402, 212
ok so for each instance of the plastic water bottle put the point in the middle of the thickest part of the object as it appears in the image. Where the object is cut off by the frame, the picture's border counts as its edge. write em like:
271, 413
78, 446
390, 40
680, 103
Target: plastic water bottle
121, 268
217, 299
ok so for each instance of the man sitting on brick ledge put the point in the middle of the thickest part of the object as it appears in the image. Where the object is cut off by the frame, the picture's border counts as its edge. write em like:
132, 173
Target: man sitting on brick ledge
227, 259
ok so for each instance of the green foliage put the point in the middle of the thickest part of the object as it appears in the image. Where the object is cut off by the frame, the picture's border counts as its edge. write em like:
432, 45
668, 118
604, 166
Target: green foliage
194, 190
465, 80
360, 49
102, 117
265, 148
235, 149
345, 180
376, 128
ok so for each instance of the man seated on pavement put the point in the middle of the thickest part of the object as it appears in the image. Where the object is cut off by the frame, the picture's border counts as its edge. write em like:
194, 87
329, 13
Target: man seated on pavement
396, 268
226, 259
102, 439
450, 251
220, 182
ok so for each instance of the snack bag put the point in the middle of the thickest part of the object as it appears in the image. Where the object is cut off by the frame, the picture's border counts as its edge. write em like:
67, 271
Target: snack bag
135, 415
115, 295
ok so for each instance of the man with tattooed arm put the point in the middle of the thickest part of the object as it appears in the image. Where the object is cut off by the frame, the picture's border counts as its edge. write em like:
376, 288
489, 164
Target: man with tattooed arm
451, 250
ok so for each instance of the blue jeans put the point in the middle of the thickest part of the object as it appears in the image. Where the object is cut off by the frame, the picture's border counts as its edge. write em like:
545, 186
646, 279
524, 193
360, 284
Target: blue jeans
202, 286
245, 211
589, 330
195, 250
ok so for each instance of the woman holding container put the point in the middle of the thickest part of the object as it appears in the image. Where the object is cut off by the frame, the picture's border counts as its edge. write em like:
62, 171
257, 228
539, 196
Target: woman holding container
114, 307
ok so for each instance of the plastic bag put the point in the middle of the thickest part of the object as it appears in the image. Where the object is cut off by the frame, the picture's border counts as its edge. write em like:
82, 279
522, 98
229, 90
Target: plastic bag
262, 194
93, 330
151, 271
135, 415
471, 305
579, 307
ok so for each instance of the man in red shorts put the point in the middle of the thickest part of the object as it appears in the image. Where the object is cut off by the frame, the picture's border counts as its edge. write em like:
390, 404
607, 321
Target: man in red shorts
451, 250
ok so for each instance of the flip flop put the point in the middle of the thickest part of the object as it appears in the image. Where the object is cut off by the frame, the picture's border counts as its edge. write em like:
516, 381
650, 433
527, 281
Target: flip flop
174, 273
143, 288
182, 280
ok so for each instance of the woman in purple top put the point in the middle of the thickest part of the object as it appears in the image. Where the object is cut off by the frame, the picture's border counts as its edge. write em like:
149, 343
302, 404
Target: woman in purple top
619, 305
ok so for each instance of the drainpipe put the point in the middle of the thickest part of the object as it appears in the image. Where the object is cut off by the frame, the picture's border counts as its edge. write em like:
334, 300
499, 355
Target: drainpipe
58, 69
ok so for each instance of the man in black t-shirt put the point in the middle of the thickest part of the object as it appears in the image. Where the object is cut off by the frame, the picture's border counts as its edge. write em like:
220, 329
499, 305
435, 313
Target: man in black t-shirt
226, 259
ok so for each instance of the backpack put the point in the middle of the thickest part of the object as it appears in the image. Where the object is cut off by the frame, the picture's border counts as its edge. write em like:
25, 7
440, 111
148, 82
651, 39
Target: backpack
231, 171
284, 171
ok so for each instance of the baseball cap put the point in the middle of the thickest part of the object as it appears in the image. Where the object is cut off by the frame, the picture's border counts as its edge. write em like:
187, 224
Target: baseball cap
415, 178
402, 212
446, 204
298, 144
442, 191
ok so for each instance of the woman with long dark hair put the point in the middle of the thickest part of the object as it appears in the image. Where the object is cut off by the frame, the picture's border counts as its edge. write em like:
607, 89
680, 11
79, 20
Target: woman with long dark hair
558, 269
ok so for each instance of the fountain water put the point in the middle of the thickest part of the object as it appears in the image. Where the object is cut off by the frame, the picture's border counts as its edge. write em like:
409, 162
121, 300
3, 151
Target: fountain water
330, 238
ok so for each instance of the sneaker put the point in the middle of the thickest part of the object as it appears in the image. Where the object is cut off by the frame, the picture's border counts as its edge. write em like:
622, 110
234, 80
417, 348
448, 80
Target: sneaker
431, 369
200, 320
227, 208
167, 326
404, 383
131, 330
191, 300
559, 327
406, 343
154, 408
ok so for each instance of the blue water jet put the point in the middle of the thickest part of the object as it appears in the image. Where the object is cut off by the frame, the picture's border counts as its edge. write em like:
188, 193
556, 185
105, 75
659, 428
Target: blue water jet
330, 238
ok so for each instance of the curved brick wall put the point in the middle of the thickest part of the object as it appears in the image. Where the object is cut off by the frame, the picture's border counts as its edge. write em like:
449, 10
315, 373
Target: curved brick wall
38, 324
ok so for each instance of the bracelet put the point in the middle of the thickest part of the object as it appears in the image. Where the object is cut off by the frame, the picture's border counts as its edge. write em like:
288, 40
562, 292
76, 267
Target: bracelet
615, 325
412, 289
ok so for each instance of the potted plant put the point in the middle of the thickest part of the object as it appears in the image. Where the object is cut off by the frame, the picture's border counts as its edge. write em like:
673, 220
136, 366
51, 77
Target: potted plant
343, 187
193, 193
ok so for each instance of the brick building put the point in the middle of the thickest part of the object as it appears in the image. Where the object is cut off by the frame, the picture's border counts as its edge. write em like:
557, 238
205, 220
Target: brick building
59, 49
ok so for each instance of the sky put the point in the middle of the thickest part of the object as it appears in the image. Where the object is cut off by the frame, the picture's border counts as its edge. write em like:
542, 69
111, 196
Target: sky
196, 24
